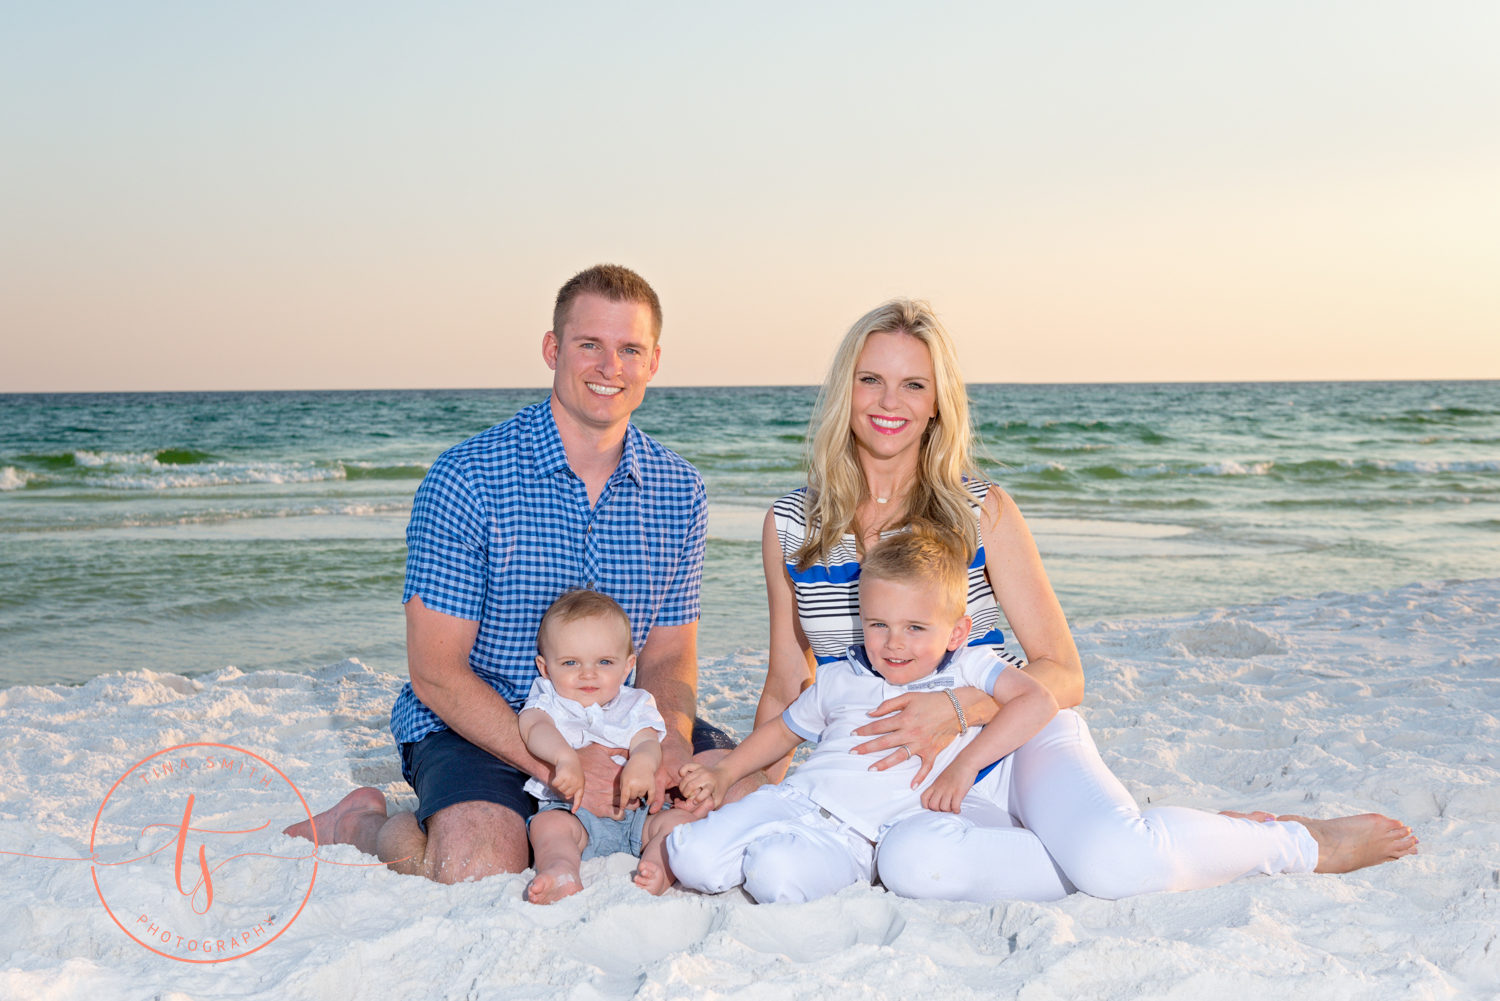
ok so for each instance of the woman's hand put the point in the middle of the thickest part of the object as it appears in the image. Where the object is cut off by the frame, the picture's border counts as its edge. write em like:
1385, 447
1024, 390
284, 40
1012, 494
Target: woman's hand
924, 723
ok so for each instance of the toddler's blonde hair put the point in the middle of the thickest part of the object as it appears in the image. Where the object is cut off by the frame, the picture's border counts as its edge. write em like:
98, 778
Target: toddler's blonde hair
574, 605
921, 558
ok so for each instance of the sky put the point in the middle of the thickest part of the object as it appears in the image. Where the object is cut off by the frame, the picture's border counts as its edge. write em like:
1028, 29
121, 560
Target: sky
284, 196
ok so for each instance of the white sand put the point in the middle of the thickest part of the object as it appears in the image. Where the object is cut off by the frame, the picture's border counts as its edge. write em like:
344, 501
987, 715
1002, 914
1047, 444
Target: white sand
1326, 706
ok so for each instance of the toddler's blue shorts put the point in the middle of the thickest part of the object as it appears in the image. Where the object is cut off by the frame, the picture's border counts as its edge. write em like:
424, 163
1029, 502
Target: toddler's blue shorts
606, 834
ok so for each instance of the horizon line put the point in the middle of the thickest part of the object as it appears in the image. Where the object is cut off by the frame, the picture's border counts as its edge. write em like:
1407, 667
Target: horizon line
781, 385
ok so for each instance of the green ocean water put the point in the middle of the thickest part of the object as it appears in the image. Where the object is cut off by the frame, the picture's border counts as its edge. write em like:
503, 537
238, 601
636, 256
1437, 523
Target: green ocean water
184, 532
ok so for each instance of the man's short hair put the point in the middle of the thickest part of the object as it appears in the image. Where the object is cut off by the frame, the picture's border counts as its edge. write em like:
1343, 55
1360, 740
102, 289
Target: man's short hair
924, 559
613, 282
574, 605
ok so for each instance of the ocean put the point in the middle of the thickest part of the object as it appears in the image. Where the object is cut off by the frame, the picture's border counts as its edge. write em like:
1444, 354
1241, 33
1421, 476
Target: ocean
183, 532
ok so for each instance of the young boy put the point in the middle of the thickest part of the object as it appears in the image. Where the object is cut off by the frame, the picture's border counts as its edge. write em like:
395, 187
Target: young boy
585, 655
816, 832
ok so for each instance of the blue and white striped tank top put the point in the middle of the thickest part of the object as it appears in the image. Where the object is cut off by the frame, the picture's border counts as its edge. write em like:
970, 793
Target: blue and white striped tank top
828, 592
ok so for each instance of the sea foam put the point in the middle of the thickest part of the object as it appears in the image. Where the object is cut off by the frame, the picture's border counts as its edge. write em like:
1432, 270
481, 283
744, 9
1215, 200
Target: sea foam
12, 478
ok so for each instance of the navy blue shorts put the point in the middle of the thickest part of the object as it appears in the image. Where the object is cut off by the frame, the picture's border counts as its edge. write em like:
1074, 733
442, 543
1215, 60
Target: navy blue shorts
445, 769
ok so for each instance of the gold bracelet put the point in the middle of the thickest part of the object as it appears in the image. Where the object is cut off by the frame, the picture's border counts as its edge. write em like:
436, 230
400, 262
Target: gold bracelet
963, 723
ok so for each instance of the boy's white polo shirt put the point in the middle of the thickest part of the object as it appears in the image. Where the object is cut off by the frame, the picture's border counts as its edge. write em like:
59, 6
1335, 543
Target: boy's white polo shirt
839, 702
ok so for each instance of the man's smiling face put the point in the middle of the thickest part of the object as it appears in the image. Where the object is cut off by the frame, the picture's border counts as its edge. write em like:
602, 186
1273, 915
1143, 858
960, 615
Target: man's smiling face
603, 358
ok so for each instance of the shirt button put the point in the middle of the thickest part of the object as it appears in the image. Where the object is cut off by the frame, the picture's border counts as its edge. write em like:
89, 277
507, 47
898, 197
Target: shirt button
589, 585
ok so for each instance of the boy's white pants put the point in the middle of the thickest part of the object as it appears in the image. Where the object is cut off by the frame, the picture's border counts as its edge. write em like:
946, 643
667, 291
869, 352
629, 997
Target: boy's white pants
776, 842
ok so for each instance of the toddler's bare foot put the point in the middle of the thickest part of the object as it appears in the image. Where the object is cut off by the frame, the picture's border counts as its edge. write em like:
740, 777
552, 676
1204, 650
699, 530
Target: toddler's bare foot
553, 884
335, 825
1259, 816
1349, 843
653, 877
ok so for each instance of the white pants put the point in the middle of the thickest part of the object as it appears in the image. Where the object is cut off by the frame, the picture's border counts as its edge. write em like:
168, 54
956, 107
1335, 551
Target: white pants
1082, 830
776, 842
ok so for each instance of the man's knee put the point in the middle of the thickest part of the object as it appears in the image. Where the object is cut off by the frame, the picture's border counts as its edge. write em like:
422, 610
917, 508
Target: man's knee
475, 840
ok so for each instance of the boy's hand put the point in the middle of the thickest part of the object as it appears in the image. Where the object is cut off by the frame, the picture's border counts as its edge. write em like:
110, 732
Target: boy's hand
946, 795
637, 781
699, 783
567, 778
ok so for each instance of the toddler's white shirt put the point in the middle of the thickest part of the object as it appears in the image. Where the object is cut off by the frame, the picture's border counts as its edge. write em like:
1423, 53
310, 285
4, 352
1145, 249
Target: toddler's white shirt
838, 702
611, 724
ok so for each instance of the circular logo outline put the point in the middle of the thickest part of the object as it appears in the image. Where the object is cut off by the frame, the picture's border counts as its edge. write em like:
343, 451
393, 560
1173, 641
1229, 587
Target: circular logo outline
94, 869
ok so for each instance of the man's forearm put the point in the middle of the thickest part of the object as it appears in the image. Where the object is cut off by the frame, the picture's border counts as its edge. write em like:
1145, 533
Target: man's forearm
437, 656
668, 669
477, 713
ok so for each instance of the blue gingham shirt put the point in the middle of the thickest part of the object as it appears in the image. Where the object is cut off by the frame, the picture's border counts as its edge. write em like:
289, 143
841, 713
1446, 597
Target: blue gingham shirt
501, 526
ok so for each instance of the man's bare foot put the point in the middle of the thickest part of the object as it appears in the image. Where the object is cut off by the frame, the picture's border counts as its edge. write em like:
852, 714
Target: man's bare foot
653, 877
1349, 843
334, 825
1259, 816
551, 885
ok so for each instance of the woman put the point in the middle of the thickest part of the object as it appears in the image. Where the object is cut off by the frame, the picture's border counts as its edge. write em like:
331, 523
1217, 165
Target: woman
891, 445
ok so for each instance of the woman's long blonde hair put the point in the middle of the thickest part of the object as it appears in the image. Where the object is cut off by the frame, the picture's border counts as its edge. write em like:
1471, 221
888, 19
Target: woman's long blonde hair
836, 484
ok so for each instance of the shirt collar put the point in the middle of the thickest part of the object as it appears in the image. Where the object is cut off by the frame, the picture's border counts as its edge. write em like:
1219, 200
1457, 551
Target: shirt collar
549, 456
860, 657
630, 456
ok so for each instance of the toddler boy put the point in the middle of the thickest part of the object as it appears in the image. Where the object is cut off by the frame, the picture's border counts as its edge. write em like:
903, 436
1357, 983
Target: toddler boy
585, 655
817, 831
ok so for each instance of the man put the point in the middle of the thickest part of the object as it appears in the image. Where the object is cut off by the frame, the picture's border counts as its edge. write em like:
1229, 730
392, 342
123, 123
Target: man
566, 494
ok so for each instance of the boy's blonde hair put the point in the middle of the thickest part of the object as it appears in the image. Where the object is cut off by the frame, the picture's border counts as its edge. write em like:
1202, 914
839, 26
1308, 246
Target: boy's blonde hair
923, 558
574, 605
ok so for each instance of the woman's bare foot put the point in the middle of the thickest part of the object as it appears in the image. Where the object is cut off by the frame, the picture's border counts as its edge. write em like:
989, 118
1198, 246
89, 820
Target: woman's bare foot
1259, 816
653, 877
1349, 843
339, 825
552, 884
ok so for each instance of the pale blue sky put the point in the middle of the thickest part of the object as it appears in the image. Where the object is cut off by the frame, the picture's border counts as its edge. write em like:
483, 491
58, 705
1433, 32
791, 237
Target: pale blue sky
200, 196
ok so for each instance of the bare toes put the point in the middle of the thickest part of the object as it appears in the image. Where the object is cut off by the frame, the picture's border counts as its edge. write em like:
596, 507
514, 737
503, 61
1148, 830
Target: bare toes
549, 887
652, 878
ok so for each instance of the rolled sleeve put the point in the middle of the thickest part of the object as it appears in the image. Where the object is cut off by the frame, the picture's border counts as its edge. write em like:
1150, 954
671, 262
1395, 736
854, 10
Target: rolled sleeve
806, 717
682, 603
447, 560
992, 676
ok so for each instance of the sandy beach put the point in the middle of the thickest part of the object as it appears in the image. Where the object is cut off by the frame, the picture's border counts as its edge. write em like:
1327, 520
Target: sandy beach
1338, 704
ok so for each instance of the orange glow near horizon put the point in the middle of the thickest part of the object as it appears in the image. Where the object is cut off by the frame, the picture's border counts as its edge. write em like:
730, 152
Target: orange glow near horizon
208, 200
